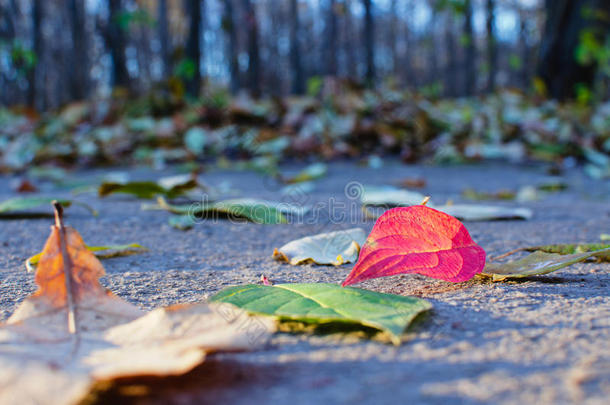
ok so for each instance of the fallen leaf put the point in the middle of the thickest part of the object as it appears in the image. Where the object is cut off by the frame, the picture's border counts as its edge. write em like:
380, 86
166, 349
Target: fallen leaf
597, 172
562, 249
140, 189
51, 173
195, 140
102, 252
604, 236
255, 210
413, 182
322, 303
552, 186
390, 196
527, 194
599, 166
334, 248
25, 186
72, 332
475, 212
170, 187
182, 222
421, 240
374, 162
569, 248
393, 197
298, 190
475, 195
259, 211
19, 206
311, 172
538, 263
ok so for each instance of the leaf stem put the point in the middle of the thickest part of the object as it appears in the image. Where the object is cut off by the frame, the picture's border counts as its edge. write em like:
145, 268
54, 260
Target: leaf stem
67, 264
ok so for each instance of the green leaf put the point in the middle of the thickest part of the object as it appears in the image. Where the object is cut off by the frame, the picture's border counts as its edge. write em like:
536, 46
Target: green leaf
169, 187
258, 211
141, 189
314, 85
185, 69
251, 209
16, 207
475, 195
537, 263
570, 248
182, 222
311, 172
102, 252
334, 248
552, 187
322, 303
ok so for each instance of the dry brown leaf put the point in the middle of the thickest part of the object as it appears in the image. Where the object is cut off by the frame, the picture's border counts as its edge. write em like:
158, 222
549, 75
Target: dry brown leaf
72, 332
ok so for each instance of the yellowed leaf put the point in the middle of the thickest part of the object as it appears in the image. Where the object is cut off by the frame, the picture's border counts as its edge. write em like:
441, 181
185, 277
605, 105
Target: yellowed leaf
73, 332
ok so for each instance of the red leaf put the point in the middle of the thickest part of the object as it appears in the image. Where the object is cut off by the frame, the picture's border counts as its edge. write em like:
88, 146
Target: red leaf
421, 240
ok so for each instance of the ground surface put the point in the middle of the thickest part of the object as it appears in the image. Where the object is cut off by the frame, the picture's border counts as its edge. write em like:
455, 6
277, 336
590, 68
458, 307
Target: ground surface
542, 340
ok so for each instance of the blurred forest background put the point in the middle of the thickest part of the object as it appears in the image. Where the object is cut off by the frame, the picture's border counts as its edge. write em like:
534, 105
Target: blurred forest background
410, 76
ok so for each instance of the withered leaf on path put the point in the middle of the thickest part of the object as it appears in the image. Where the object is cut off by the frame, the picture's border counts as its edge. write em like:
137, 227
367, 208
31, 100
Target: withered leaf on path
336, 248
392, 197
311, 172
572, 248
102, 252
476, 212
389, 197
251, 209
169, 187
23, 206
72, 331
538, 263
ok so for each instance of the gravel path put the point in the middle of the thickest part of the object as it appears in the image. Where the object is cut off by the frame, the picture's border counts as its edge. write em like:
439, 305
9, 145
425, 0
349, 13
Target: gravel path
542, 340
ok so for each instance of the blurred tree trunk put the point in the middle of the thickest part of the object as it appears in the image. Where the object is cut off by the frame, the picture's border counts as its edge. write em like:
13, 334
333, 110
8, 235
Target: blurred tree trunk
393, 36
79, 77
369, 42
7, 25
37, 44
451, 65
524, 51
566, 21
331, 39
274, 74
8, 15
470, 51
193, 47
433, 72
229, 27
295, 51
117, 42
492, 46
145, 55
350, 54
409, 78
253, 50
163, 33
